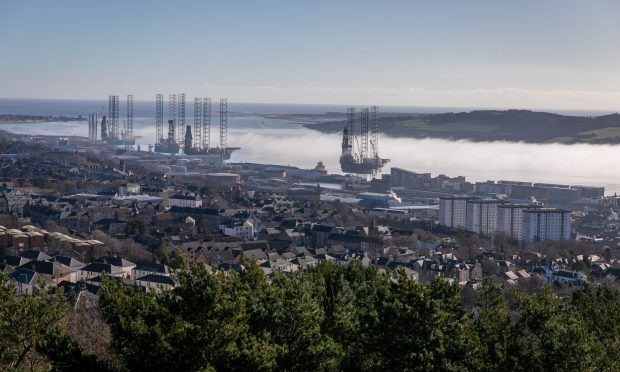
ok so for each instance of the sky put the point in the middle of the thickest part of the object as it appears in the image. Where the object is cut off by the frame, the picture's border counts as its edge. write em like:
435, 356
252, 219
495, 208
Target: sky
554, 54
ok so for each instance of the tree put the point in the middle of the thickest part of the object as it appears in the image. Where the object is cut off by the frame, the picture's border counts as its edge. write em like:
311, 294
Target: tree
204, 190
425, 326
493, 325
548, 335
331, 317
599, 310
291, 314
32, 332
201, 325
24, 322
170, 257
135, 227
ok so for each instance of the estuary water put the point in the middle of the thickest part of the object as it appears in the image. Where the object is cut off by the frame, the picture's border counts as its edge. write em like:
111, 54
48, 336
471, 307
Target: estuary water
280, 141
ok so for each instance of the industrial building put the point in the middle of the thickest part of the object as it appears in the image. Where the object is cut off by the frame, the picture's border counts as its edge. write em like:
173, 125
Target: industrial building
404, 178
552, 193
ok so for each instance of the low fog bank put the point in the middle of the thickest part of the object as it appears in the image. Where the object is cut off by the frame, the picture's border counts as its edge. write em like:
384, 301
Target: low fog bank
276, 142
478, 161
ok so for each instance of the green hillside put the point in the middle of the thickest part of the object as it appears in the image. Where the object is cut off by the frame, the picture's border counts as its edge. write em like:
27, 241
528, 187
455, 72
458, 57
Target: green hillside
490, 125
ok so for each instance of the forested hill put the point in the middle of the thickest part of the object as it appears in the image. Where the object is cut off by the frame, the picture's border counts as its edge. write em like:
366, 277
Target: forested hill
490, 125
326, 318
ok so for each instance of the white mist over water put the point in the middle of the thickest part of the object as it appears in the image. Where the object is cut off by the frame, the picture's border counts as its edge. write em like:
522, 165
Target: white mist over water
279, 142
580, 164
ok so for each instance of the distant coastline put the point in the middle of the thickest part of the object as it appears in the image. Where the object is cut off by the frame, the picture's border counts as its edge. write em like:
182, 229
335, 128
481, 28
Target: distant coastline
477, 125
9, 118
493, 125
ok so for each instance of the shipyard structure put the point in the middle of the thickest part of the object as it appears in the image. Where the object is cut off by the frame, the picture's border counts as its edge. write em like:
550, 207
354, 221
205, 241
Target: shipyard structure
194, 140
360, 144
110, 130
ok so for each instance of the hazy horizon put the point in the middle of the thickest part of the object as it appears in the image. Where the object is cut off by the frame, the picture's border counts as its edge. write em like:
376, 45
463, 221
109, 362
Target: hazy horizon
337, 107
478, 161
480, 53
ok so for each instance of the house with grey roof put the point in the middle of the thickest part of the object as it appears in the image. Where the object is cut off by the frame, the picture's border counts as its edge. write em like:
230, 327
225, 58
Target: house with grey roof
256, 255
144, 269
155, 282
14, 261
26, 280
52, 271
125, 265
33, 255
96, 269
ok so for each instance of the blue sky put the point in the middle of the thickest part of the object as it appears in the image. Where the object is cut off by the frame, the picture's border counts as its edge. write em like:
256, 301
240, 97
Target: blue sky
523, 54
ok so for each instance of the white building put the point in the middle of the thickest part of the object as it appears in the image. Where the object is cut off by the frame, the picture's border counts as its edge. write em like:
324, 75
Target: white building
185, 201
546, 224
145, 269
128, 189
97, 269
243, 230
565, 276
397, 214
16, 201
481, 216
156, 283
510, 219
453, 211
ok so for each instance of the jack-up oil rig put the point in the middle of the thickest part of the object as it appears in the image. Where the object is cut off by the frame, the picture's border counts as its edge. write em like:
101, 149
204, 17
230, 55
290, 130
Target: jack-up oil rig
169, 144
196, 141
111, 131
360, 151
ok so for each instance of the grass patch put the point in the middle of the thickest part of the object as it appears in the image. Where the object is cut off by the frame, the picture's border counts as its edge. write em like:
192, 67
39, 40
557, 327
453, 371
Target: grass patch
601, 134
561, 140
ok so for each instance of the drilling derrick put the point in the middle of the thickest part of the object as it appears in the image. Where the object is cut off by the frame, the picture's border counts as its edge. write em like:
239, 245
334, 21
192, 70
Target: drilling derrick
113, 117
181, 118
374, 132
159, 117
197, 138
92, 127
206, 123
129, 129
171, 131
95, 126
169, 144
197, 123
347, 134
172, 114
223, 125
187, 144
104, 129
363, 150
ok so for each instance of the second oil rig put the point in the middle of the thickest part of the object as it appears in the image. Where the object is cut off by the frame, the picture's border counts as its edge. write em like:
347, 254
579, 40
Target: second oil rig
111, 132
195, 141
360, 150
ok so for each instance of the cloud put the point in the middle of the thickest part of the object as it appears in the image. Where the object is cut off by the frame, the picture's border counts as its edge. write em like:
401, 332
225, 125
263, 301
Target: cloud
478, 161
